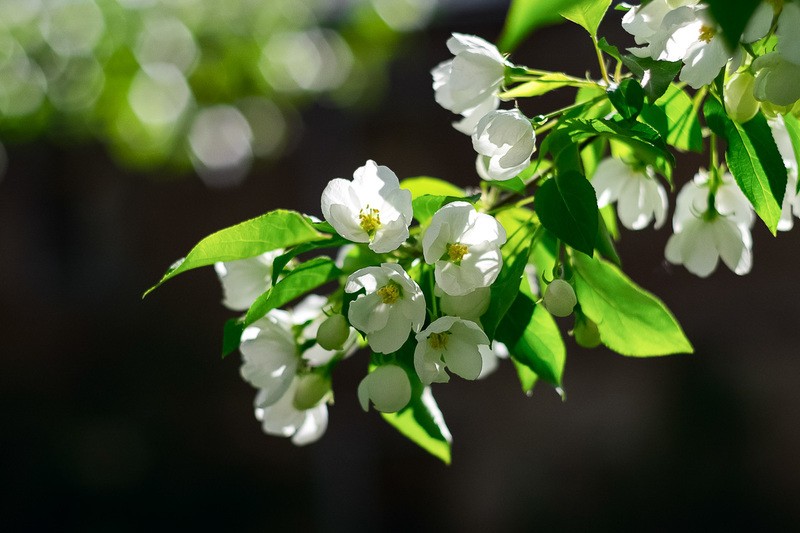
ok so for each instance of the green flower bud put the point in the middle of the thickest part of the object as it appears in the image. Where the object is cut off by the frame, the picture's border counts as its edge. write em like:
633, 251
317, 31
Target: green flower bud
333, 332
585, 331
559, 298
311, 389
740, 102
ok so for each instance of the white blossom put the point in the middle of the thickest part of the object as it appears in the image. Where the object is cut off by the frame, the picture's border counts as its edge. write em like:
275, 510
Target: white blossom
464, 246
640, 197
387, 386
391, 308
675, 30
245, 280
372, 208
283, 419
506, 140
270, 356
452, 343
787, 32
702, 236
776, 79
469, 83
490, 358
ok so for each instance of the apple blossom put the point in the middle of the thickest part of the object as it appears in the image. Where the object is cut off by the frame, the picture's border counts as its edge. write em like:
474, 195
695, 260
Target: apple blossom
452, 343
464, 246
505, 138
640, 197
245, 280
270, 355
282, 418
703, 236
387, 386
469, 83
392, 306
776, 79
372, 208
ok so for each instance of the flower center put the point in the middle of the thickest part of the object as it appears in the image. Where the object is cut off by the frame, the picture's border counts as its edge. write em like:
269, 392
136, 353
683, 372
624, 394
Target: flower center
369, 220
706, 34
438, 341
390, 293
456, 252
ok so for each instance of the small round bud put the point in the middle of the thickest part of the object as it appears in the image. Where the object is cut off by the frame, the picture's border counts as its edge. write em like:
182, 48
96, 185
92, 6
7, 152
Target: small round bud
740, 101
586, 332
387, 386
311, 389
559, 298
333, 332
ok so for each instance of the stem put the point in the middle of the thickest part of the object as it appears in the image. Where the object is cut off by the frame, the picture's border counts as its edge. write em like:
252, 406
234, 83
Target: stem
569, 108
434, 305
714, 177
601, 62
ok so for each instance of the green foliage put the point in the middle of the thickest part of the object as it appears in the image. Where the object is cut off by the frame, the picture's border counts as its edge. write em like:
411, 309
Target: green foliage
533, 339
527, 377
627, 98
754, 160
587, 14
631, 321
423, 185
674, 116
426, 205
541, 85
504, 290
658, 74
276, 229
302, 279
793, 129
732, 16
524, 16
567, 206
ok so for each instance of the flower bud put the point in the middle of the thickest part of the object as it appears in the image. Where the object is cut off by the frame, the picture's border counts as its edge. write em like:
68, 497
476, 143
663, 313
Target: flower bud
333, 332
559, 298
311, 389
740, 102
586, 332
387, 386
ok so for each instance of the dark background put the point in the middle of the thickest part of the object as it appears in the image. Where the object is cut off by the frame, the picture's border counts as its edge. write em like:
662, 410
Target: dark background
117, 414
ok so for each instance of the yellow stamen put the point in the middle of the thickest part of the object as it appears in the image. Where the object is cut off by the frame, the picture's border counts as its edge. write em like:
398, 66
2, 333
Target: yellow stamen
390, 293
706, 34
370, 220
456, 252
438, 341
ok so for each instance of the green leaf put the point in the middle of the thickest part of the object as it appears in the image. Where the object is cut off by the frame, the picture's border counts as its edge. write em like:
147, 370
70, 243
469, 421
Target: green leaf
793, 129
422, 185
754, 161
516, 184
422, 422
641, 138
609, 48
567, 206
675, 118
533, 338
587, 14
504, 290
542, 85
277, 229
231, 336
281, 261
627, 98
732, 16
427, 205
655, 76
631, 321
527, 377
524, 16
305, 277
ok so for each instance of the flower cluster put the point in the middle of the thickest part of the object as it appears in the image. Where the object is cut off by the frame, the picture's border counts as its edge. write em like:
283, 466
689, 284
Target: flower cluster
438, 281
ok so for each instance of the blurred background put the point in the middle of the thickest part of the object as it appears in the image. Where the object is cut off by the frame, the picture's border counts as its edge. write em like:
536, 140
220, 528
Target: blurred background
130, 129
